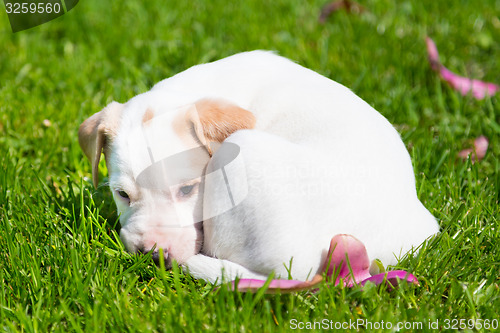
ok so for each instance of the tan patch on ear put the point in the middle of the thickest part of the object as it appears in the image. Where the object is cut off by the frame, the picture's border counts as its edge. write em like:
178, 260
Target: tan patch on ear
216, 119
96, 132
148, 115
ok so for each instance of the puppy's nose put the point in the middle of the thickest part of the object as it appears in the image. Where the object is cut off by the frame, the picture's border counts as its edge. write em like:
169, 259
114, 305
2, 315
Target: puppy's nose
166, 259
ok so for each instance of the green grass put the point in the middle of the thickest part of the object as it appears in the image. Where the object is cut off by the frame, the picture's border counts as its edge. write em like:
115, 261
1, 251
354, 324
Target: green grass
62, 266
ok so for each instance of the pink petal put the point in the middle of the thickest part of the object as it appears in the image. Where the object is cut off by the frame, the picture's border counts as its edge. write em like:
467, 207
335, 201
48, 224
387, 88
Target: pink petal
482, 89
481, 146
479, 150
463, 154
252, 285
433, 54
343, 247
391, 278
464, 85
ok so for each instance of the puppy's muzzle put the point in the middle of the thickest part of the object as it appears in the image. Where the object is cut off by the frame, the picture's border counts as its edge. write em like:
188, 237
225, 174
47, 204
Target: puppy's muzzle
167, 260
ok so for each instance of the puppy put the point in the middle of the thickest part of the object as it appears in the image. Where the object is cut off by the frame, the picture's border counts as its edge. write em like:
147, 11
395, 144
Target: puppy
250, 165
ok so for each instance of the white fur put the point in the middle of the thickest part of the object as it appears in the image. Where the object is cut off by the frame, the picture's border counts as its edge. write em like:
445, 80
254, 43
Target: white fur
320, 162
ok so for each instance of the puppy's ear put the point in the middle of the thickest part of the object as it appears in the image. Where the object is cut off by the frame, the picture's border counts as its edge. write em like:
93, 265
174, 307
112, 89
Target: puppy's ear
215, 119
96, 132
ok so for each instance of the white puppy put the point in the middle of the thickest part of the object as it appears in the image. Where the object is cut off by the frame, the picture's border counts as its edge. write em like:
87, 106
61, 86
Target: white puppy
319, 162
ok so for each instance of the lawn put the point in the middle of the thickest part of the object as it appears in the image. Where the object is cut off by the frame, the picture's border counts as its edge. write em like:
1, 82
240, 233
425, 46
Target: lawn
62, 266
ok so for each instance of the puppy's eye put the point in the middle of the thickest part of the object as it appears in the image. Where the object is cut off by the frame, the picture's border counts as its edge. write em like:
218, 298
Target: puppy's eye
123, 194
185, 190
